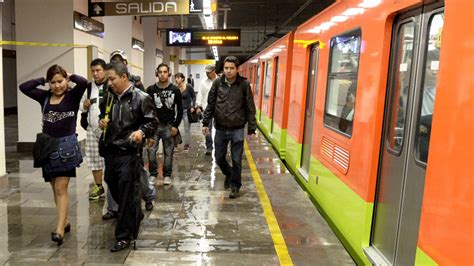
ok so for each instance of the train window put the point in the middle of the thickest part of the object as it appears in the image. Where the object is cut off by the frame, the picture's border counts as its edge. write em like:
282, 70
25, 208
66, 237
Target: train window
428, 88
268, 80
399, 85
342, 82
257, 82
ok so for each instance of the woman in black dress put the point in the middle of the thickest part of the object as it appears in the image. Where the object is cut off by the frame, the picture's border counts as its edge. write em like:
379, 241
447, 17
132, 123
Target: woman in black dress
59, 107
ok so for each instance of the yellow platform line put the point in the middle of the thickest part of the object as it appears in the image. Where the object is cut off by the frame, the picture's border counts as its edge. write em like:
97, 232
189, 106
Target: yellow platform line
278, 240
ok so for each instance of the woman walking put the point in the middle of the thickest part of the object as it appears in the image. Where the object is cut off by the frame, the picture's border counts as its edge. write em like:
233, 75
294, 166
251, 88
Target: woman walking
189, 101
59, 107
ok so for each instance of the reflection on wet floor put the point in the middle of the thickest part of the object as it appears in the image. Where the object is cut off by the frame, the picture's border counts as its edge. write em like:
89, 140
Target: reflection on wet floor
193, 222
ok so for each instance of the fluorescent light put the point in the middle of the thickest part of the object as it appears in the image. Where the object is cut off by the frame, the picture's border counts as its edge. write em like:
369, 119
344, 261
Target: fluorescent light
327, 25
370, 3
254, 61
339, 19
353, 11
315, 30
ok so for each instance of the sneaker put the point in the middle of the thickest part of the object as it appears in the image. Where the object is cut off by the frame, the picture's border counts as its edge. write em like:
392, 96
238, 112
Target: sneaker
96, 192
209, 152
167, 180
186, 147
149, 205
234, 193
227, 182
109, 216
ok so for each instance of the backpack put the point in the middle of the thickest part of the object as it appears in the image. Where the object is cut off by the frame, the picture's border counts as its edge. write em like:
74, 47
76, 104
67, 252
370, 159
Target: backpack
84, 115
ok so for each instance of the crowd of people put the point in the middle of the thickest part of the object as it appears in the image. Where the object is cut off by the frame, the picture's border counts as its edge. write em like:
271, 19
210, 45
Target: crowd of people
123, 121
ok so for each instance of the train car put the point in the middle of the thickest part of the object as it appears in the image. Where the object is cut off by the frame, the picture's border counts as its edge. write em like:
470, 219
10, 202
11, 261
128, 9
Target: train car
272, 94
377, 86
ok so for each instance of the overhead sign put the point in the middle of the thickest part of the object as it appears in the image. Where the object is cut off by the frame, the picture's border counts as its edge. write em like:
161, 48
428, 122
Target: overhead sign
139, 8
88, 25
197, 62
191, 37
195, 6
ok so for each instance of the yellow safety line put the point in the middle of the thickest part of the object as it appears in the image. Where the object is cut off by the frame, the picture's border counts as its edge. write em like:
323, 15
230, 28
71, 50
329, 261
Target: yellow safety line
278, 240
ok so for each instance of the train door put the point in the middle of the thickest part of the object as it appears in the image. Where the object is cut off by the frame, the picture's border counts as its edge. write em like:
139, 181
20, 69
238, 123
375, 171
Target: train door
275, 91
309, 111
257, 88
405, 144
267, 73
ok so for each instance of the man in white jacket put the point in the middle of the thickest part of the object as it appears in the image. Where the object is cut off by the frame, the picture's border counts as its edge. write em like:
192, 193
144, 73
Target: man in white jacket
201, 100
90, 103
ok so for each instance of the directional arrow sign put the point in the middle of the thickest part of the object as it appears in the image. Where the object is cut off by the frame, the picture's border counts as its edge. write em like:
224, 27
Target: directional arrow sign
96, 9
139, 8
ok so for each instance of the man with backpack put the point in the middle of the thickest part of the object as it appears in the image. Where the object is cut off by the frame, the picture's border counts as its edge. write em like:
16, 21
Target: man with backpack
230, 103
90, 122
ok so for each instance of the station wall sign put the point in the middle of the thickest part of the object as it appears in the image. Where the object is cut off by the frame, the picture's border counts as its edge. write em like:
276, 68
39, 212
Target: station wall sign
192, 37
88, 25
140, 8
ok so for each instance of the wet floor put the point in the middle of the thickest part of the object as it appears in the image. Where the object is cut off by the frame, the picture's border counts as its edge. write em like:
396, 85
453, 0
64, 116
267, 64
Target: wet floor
193, 222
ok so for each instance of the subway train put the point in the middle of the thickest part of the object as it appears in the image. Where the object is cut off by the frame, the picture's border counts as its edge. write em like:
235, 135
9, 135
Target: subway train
370, 103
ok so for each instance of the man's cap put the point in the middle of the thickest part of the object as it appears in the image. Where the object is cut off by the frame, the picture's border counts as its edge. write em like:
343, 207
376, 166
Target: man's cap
210, 68
120, 53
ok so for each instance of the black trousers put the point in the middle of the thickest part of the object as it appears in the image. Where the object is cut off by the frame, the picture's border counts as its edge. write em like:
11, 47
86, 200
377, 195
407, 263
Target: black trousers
121, 173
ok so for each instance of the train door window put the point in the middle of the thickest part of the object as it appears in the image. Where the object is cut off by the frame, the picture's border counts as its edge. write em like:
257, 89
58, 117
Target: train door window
251, 77
342, 82
428, 87
400, 82
257, 81
268, 79
309, 111
275, 94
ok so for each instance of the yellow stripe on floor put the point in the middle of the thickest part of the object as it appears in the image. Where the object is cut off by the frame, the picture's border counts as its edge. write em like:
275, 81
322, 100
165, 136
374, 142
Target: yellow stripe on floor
278, 240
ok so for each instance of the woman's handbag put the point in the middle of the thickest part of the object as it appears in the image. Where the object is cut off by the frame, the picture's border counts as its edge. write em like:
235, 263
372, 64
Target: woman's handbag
67, 157
193, 117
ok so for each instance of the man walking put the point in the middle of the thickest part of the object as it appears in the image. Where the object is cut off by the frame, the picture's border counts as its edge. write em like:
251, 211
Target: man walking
230, 103
167, 98
128, 116
201, 101
90, 104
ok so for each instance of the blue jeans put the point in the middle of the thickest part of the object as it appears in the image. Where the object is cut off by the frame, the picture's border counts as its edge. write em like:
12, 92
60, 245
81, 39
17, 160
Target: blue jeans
209, 136
163, 133
236, 139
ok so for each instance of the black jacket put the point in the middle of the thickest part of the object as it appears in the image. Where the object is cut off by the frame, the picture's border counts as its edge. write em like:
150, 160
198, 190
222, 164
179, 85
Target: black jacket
133, 111
231, 106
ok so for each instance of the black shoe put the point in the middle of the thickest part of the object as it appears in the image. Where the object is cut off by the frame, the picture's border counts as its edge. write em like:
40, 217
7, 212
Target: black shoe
58, 238
120, 245
149, 205
234, 193
227, 182
109, 215
209, 152
67, 228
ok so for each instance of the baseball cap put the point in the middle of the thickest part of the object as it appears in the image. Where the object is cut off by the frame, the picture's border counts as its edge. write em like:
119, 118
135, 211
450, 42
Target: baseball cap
119, 53
210, 68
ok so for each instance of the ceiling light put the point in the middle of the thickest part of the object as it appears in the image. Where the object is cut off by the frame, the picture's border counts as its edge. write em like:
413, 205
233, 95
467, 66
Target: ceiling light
370, 3
339, 18
353, 11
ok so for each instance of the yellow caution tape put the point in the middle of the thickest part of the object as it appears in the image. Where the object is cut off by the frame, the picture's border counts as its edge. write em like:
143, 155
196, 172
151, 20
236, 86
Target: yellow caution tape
44, 44
278, 240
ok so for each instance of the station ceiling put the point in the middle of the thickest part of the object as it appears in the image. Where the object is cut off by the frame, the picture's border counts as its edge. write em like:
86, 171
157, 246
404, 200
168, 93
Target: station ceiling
261, 21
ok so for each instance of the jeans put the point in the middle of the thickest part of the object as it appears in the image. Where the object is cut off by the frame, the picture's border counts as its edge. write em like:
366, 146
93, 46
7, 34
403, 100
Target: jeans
186, 132
209, 136
163, 133
236, 139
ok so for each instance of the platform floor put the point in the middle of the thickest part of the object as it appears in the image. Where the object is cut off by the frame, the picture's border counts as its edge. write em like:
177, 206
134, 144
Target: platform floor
193, 222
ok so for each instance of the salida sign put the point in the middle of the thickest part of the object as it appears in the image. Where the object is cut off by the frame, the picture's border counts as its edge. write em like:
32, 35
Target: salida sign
139, 8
